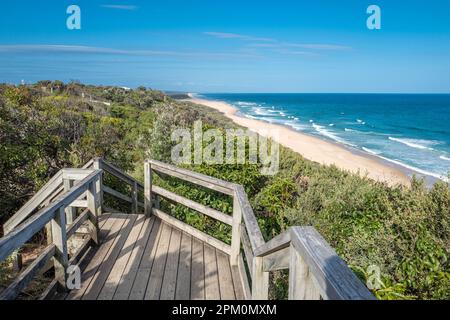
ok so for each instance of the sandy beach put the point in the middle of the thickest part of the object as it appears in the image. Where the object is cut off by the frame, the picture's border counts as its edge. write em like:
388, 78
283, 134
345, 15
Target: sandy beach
313, 148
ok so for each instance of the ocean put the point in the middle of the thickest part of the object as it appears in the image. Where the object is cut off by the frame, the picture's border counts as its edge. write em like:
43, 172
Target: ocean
409, 130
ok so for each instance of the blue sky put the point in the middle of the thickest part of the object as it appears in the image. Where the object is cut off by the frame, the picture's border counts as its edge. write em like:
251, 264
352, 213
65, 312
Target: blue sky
231, 46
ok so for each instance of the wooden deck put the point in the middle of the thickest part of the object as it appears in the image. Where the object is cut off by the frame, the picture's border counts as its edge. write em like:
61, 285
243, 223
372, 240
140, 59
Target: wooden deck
146, 259
156, 256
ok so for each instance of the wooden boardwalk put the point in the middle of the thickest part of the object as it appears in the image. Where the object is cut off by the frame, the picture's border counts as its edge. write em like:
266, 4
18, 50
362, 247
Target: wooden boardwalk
146, 259
156, 256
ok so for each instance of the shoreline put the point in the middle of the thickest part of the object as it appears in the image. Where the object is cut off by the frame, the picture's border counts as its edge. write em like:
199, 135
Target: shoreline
316, 149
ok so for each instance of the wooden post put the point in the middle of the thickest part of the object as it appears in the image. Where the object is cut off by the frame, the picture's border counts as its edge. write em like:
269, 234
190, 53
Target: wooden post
236, 232
17, 262
70, 212
61, 259
148, 188
94, 208
301, 282
260, 280
98, 166
48, 233
134, 208
157, 202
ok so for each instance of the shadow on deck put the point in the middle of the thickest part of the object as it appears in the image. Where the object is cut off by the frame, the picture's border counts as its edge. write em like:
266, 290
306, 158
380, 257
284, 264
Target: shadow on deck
146, 259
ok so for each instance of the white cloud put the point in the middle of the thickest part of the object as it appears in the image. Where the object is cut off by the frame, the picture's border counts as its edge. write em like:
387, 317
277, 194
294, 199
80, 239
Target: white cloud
317, 46
279, 46
119, 7
223, 35
30, 48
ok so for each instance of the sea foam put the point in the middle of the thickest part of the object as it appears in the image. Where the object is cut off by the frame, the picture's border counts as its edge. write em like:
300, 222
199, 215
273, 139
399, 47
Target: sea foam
327, 133
415, 143
246, 104
374, 152
418, 170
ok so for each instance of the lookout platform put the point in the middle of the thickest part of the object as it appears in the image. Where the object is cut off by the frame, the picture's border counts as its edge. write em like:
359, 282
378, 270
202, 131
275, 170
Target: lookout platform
149, 254
144, 258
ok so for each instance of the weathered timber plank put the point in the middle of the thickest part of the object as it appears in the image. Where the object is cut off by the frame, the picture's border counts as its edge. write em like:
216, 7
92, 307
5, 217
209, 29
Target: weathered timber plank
183, 288
145, 267
225, 277
212, 289
148, 185
70, 212
236, 232
260, 280
170, 273
75, 173
237, 285
129, 274
59, 236
192, 231
156, 276
198, 271
113, 280
88, 274
105, 268
302, 284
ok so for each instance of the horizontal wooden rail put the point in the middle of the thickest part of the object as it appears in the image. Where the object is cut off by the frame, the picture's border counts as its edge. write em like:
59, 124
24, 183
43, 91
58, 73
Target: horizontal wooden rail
35, 201
220, 216
194, 177
116, 172
76, 174
83, 217
117, 194
279, 242
52, 189
278, 260
24, 232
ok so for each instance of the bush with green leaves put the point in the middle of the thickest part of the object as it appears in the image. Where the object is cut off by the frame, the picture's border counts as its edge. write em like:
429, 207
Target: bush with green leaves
405, 231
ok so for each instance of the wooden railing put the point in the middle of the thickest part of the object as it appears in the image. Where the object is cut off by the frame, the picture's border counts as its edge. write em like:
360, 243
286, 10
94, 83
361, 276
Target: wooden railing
55, 215
69, 191
136, 187
315, 270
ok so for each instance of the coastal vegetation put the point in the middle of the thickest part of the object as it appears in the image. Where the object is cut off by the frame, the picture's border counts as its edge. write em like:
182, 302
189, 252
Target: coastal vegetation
403, 231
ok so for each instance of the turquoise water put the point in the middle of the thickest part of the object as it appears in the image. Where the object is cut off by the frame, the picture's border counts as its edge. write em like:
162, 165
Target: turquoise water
412, 131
